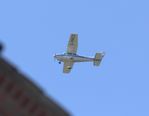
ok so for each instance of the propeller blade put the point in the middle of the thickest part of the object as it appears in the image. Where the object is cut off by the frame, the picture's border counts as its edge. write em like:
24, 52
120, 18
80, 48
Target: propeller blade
54, 57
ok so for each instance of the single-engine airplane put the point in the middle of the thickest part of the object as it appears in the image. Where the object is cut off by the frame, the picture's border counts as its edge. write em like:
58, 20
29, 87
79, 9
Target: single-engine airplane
70, 57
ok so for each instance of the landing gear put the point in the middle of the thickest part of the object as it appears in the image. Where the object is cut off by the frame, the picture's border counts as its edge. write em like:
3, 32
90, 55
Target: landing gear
59, 62
1, 47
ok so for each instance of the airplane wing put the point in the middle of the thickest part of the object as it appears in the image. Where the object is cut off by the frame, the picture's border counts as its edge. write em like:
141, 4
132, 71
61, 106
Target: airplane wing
67, 66
72, 44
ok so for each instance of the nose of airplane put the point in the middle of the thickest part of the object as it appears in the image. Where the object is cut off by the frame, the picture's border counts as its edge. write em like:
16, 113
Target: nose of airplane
54, 56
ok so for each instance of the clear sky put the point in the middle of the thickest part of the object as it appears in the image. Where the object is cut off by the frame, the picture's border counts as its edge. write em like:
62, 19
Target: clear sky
34, 30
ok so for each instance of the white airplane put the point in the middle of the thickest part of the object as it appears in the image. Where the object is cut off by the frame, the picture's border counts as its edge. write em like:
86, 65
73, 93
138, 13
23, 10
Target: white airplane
70, 57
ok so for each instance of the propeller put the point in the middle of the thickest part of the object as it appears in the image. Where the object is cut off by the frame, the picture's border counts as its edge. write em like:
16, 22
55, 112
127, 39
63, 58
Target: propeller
54, 57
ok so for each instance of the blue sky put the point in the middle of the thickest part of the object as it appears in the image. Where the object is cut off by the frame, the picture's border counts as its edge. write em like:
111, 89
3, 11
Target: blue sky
34, 30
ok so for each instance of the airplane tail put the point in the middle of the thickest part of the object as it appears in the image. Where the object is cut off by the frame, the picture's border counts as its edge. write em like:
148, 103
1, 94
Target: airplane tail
98, 58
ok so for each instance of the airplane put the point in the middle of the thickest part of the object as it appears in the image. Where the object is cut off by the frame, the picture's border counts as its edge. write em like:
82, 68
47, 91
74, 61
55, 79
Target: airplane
70, 57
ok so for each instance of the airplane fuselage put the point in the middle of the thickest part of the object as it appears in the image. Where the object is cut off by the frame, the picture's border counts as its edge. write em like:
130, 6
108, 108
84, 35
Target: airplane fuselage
72, 57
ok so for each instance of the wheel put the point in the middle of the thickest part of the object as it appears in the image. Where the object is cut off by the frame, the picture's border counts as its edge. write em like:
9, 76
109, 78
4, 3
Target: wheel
1, 47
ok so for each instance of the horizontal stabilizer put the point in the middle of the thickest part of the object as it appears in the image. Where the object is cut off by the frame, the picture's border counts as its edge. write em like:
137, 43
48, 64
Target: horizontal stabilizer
98, 58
